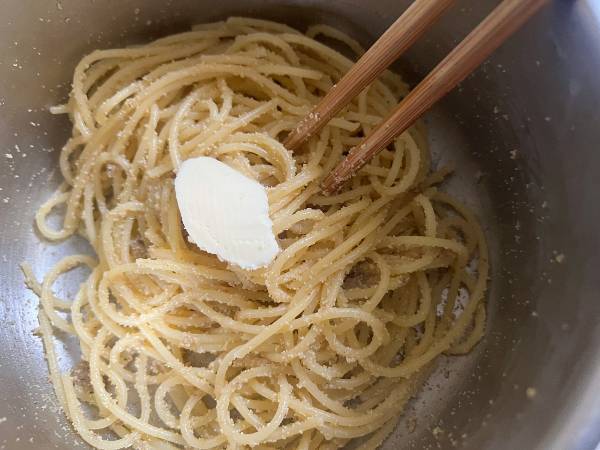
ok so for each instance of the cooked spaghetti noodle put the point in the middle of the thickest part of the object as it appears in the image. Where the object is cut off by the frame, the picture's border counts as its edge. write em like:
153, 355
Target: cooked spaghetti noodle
324, 345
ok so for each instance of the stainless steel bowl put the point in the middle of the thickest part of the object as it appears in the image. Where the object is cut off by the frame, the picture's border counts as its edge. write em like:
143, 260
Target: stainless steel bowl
524, 132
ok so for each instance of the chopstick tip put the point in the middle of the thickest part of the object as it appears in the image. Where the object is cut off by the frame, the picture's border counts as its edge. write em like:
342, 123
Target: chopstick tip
306, 127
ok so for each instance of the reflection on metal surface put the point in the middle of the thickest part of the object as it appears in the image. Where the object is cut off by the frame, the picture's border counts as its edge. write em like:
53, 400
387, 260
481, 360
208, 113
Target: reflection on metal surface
593, 6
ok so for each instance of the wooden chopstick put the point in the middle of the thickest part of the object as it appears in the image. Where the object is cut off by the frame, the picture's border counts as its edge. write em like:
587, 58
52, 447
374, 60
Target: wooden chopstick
397, 38
470, 53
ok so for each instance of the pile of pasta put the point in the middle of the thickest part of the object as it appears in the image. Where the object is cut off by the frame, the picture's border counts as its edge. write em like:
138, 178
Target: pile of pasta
324, 345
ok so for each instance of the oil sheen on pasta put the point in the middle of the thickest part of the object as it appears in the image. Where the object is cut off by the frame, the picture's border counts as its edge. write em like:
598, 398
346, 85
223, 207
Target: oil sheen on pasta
324, 345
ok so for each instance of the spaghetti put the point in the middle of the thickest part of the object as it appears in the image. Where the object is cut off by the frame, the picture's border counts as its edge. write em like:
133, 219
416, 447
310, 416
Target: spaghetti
323, 346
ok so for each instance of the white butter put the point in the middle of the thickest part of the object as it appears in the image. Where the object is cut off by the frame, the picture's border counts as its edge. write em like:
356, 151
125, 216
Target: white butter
225, 213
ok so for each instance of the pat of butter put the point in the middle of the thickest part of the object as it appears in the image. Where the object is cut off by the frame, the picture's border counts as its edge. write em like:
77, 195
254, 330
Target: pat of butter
225, 213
